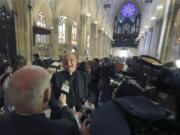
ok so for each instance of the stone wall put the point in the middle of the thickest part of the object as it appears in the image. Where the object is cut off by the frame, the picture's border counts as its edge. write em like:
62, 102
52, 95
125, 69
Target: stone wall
90, 16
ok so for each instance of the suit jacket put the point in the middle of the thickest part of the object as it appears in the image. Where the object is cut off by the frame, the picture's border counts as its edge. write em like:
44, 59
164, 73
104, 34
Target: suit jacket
35, 124
78, 92
60, 112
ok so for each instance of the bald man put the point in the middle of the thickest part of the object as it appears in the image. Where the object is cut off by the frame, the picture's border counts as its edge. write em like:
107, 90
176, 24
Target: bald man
29, 91
75, 83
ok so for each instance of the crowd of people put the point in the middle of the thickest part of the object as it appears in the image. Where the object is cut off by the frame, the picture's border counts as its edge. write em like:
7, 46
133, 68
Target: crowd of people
72, 95
27, 90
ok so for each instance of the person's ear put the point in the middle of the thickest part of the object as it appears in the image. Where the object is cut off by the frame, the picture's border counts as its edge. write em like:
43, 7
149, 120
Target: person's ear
47, 95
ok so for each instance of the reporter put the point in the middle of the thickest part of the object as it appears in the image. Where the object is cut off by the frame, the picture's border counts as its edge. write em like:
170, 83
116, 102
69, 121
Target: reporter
29, 91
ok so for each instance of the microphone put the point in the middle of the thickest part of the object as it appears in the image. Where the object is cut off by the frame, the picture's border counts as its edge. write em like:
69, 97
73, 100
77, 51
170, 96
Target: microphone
65, 87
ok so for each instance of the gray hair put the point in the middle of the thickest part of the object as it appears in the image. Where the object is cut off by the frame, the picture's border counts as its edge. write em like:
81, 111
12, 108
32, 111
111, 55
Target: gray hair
33, 94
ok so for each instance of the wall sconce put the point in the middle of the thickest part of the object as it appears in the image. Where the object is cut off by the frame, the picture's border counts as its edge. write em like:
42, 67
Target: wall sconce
88, 14
95, 22
146, 27
159, 7
102, 29
153, 18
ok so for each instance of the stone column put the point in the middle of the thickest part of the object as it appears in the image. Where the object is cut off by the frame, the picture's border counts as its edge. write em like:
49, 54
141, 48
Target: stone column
99, 39
106, 45
93, 46
56, 47
157, 36
109, 47
145, 43
148, 41
164, 29
140, 46
96, 47
102, 45
170, 15
83, 35
154, 40
23, 27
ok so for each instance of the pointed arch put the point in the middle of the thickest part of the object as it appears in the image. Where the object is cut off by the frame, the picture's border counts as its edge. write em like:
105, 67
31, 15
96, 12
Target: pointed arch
44, 7
7, 4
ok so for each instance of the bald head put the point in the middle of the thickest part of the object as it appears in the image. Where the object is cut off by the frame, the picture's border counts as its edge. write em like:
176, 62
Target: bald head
70, 62
27, 86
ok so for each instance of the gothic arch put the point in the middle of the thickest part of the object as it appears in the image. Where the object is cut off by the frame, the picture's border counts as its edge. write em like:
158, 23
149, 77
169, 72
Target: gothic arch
93, 9
63, 7
44, 6
100, 14
59, 8
7, 4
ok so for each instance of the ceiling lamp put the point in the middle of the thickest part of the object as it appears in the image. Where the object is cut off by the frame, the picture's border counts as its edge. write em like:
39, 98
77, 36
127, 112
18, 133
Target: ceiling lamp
88, 14
146, 26
95, 22
153, 18
159, 7
102, 29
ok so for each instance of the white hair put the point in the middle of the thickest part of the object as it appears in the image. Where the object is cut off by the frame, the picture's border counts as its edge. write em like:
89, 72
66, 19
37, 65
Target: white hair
33, 95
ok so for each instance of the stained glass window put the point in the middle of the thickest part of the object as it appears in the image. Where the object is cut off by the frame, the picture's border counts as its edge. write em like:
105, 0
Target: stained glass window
62, 29
128, 11
41, 20
74, 33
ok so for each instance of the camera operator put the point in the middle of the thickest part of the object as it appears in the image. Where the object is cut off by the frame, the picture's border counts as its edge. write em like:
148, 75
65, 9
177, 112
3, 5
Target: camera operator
165, 80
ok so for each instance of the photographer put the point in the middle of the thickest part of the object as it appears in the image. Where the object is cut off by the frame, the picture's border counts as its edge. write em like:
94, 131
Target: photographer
135, 109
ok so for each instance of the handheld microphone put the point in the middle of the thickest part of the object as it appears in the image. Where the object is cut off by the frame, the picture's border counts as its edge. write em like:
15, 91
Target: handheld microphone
65, 87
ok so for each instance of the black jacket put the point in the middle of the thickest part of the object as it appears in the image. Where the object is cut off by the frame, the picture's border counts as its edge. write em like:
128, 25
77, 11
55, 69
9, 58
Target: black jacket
78, 92
35, 124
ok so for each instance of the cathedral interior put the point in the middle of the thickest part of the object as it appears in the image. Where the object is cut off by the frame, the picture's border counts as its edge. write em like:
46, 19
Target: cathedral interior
90, 28
140, 37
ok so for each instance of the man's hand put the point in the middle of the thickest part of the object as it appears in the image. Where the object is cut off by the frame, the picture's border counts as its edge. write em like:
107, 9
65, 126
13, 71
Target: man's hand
62, 100
85, 127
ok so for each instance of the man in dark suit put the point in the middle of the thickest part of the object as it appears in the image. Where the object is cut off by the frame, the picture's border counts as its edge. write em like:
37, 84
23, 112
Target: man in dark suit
29, 91
76, 83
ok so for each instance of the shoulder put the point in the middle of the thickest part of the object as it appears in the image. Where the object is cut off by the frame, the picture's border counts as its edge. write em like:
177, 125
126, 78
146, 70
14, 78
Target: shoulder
59, 74
84, 75
64, 126
4, 122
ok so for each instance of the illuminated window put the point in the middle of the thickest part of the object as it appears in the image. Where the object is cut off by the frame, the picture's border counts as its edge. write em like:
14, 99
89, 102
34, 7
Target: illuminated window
123, 53
88, 40
41, 20
62, 29
128, 11
74, 33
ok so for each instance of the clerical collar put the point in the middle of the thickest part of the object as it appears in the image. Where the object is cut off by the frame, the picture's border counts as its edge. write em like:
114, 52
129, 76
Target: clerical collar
71, 73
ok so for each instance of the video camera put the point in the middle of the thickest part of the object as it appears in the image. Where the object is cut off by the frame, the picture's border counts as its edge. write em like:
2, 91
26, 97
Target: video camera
151, 78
